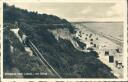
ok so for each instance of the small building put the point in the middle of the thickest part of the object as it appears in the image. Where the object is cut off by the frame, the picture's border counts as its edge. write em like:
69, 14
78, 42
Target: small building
119, 64
97, 38
91, 39
95, 45
91, 43
90, 35
118, 50
111, 59
106, 53
86, 38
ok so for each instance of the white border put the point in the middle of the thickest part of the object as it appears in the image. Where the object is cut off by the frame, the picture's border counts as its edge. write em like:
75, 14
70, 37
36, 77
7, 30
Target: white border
125, 42
51, 1
70, 79
1, 11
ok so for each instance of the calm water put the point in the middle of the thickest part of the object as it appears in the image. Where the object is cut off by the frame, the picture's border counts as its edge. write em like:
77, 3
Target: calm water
113, 29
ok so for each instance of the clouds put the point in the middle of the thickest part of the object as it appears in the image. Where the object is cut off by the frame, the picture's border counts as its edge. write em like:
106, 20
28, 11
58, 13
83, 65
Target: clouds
78, 11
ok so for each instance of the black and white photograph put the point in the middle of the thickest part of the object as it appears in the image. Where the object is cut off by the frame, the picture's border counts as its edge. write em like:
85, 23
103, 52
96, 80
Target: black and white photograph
64, 40
0, 36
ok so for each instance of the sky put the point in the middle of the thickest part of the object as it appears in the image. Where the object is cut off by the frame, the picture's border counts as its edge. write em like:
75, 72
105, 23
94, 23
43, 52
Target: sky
78, 11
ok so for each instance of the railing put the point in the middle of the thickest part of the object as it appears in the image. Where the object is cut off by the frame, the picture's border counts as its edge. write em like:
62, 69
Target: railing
44, 61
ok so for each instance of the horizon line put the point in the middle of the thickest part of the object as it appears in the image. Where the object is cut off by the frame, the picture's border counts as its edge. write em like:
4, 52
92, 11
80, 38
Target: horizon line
97, 21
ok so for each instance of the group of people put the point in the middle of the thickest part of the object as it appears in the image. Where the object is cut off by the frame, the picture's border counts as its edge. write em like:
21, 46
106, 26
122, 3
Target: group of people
91, 40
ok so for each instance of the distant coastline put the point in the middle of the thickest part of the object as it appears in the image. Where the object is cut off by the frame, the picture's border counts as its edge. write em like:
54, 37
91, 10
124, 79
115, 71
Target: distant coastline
106, 27
96, 21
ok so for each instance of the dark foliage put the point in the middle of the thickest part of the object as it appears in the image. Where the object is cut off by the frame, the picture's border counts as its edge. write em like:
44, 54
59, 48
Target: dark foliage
61, 54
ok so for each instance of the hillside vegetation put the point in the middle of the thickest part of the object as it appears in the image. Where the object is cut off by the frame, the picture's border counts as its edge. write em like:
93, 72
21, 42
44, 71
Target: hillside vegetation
57, 48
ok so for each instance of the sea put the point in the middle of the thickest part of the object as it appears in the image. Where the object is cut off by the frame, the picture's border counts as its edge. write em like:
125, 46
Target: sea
114, 29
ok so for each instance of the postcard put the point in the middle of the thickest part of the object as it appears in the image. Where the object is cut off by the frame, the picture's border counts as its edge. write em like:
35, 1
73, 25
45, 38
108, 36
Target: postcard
64, 40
